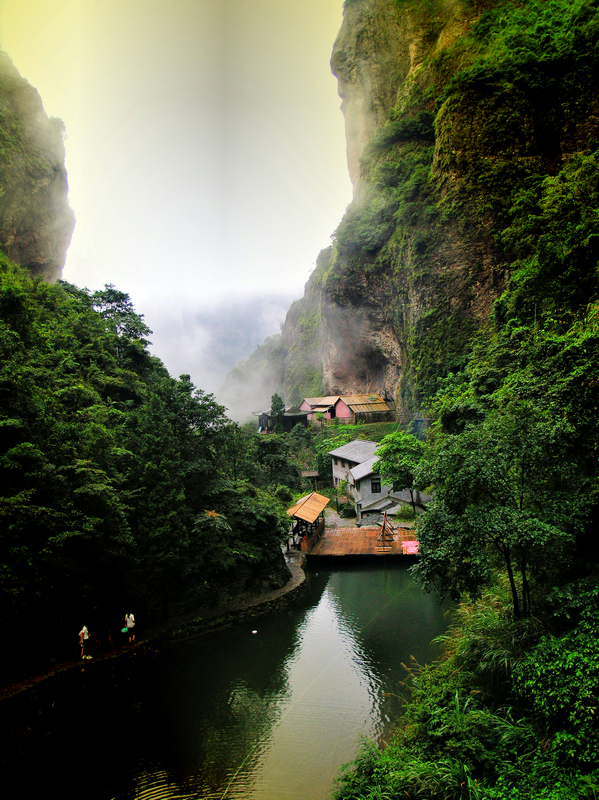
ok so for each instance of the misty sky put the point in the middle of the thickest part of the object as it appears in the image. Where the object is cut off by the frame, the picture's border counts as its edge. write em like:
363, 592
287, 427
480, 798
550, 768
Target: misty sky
205, 152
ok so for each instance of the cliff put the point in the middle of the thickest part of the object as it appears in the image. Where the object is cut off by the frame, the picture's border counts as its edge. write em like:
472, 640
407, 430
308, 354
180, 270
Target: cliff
36, 222
459, 115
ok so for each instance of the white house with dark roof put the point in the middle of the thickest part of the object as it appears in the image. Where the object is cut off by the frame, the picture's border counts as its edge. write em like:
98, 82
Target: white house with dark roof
367, 487
349, 456
354, 463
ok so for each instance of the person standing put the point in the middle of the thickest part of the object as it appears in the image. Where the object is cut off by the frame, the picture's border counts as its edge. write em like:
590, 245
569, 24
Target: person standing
130, 622
84, 640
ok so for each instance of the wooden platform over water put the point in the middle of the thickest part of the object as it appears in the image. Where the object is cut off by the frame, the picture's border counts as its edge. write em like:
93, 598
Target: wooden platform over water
364, 542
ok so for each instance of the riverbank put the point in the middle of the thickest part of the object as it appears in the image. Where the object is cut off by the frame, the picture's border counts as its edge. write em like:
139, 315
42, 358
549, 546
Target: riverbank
178, 629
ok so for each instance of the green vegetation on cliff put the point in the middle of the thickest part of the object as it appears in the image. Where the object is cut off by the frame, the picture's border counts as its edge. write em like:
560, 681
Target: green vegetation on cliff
510, 710
504, 350
478, 182
36, 222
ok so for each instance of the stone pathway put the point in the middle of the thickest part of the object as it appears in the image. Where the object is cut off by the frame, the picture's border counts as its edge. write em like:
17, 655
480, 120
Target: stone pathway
184, 627
334, 520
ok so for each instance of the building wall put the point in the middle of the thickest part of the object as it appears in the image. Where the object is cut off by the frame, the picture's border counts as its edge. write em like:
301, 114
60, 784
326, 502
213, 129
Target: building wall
307, 407
343, 411
341, 469
363, 494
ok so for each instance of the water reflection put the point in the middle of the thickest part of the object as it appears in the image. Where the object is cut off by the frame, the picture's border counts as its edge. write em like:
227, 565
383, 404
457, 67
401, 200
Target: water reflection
265, 716
272, 716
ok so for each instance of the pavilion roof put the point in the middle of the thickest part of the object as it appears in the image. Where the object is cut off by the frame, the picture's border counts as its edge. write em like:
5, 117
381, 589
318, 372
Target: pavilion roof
309, 507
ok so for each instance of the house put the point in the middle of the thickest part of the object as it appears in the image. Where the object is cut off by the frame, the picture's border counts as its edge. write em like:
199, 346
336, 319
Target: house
367, 488
354, 463
349, 456
319, 405
292, 416
364, 408
350, 408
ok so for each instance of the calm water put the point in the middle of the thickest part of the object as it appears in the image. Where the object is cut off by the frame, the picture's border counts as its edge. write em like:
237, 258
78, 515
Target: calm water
269, 715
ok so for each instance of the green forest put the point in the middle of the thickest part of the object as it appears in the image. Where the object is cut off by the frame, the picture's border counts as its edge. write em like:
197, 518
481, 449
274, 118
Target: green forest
121, 486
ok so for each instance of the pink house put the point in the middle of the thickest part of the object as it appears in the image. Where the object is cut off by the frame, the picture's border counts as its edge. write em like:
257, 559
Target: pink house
350, 408
363, 407
320, 405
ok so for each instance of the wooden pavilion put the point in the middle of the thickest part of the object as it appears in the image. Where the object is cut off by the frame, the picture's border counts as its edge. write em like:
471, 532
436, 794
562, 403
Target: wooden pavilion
308, 519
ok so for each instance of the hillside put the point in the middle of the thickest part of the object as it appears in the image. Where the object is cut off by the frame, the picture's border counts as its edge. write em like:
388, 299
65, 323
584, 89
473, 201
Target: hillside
472, 127
36, 222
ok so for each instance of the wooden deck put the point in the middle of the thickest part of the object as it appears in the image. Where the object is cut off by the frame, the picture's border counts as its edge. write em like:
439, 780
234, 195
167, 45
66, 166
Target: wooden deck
364, 542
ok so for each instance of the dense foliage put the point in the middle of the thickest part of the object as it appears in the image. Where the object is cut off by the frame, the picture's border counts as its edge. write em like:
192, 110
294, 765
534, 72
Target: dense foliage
483, 176
121, 487
511, 456
509, 713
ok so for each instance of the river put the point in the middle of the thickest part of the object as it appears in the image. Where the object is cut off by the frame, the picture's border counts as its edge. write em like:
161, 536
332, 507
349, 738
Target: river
267, 710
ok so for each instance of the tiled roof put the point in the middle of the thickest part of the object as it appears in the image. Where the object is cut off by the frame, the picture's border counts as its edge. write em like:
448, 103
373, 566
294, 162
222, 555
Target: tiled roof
365, 399
366, 403
309, 507
364, 469
295, 412
322, 401
359, 450
368, 408
378, 505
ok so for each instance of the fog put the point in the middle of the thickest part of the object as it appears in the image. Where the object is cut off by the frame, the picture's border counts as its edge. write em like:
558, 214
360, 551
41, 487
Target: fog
211, 341
206, 156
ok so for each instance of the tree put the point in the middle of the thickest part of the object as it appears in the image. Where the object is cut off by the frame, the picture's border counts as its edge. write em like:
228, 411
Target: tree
399, 455
107, 464
277, 412
504, 492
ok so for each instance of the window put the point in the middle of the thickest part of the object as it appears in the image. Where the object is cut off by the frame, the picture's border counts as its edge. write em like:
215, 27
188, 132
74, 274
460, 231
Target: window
375, 485
357, 486
335, 461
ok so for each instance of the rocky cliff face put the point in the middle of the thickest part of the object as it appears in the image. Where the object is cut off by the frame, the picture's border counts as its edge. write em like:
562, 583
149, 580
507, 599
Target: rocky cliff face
36, 222
454, 110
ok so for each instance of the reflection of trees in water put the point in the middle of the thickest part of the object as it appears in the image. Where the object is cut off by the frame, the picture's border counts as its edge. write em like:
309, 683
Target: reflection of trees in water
197, 715
213, 706
387, 608
391, 619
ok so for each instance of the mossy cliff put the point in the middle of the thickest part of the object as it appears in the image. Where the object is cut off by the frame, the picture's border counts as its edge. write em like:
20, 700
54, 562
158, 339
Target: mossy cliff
36, 222
471, 131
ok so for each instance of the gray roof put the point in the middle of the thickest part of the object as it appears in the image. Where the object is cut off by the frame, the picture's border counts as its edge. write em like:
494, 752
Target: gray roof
364, 469
359, 450
378, 505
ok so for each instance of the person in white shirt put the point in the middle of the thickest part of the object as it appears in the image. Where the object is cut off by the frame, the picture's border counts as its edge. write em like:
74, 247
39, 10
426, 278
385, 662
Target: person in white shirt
84, 638
130, 622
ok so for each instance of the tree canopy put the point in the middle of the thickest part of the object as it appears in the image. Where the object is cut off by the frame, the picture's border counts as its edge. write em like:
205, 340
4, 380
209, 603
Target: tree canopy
119, 484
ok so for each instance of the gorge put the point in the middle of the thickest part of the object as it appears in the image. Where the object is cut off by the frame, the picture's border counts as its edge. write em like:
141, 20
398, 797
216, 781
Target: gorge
458, 113
462, 283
